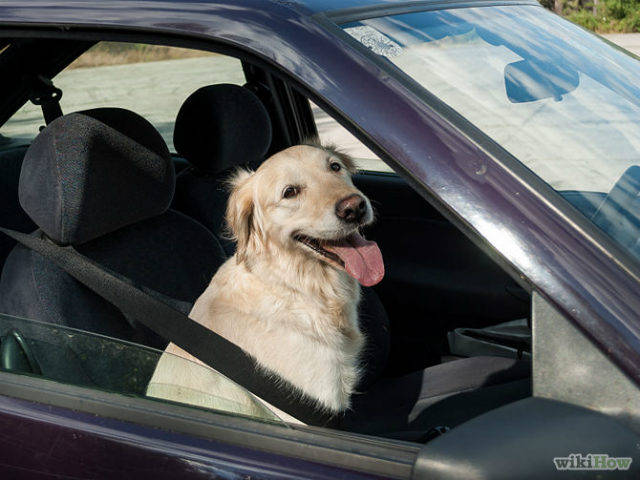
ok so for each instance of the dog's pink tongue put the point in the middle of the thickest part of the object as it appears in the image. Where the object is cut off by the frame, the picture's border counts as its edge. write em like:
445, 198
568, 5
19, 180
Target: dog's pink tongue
362, 258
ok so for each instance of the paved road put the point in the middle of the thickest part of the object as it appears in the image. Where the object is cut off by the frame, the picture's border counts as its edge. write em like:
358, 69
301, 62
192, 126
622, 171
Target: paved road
156, 90
628, 41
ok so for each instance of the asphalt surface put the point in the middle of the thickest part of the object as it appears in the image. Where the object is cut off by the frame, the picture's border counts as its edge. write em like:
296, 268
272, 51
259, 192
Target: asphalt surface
157, 89
628, 41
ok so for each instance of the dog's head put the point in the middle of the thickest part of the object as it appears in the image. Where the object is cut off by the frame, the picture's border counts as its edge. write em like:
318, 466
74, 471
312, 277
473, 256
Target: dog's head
302, 201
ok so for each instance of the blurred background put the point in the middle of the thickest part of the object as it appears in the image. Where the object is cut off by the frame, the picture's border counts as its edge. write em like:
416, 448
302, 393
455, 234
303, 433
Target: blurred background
602, 16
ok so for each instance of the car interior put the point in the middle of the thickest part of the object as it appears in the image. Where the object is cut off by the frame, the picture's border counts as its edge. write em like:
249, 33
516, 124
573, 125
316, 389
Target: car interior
434, 350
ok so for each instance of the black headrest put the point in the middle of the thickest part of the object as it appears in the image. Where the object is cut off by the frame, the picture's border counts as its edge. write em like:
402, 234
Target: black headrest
93, 172
222, 126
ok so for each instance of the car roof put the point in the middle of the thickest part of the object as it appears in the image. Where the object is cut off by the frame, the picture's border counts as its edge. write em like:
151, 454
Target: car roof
189, 17
271, 7
329, 5
266, 5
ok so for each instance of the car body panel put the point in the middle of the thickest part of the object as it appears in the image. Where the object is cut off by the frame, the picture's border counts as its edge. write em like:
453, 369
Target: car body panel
49, 441
491, 196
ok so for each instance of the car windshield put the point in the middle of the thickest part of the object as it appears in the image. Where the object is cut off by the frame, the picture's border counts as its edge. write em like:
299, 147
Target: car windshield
558, 98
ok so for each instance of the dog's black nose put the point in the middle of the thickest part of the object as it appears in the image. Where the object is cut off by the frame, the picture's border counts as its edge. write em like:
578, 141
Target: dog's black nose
351, 209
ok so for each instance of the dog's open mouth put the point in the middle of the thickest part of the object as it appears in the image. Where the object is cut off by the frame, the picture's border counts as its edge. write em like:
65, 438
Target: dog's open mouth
359, 257
315, 245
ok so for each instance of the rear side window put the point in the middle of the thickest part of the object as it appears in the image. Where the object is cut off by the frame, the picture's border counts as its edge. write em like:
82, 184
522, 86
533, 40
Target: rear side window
150, 80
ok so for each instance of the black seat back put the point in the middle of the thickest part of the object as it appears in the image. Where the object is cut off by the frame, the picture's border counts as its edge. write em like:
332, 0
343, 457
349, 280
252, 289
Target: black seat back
102, 181
218, 128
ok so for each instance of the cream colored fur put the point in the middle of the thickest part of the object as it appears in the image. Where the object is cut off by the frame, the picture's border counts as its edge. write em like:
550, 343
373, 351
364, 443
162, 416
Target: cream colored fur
292, 310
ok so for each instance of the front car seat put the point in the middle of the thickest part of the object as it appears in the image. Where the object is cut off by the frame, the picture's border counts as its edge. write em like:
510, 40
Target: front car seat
101, 181
223, 127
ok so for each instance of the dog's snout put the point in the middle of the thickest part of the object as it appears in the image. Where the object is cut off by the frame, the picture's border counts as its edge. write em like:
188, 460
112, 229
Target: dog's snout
351, 209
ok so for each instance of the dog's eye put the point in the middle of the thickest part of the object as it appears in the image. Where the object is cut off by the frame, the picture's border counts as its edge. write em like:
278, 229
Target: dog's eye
335, 166
290, 192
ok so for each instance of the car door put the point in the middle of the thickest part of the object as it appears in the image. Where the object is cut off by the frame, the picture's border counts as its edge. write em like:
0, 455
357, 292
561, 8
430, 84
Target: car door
57, 423
346, 454
560, 431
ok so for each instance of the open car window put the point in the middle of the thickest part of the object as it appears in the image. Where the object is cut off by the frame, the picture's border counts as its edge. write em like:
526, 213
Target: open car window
330, 131
77, 357
182, 255
151, 80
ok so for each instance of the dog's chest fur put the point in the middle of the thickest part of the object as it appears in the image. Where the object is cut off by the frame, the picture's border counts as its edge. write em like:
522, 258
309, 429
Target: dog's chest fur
308, 336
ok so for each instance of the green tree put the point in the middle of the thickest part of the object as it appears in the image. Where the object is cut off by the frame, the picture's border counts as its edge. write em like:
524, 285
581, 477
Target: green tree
599, 15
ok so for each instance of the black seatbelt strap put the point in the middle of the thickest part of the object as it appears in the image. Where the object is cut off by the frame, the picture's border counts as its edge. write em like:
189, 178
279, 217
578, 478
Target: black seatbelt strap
142, 305
43, 92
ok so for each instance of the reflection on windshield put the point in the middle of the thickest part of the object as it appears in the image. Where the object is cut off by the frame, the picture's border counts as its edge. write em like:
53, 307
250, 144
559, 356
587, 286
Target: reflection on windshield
563, 102
80, 358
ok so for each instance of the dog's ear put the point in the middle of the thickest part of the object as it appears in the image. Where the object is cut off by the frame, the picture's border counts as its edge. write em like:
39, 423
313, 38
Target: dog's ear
240, 207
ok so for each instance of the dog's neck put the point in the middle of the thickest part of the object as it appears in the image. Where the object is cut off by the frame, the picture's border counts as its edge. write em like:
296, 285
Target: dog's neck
303, 274
303, 324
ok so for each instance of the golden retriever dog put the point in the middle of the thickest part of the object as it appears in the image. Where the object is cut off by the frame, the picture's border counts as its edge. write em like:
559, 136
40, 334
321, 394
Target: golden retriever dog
289, 296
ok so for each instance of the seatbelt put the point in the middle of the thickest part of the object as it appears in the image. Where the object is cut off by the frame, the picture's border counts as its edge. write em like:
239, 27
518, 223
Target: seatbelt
142, 305
43, 92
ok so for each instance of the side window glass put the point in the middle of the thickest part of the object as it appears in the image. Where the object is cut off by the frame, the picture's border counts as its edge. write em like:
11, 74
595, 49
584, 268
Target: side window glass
76, 357
150, 80
330, 131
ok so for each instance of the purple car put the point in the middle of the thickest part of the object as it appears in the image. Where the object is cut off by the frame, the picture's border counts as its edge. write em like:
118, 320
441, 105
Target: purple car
500, 145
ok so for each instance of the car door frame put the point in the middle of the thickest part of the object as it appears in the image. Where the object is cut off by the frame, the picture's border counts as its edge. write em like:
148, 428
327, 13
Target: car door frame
478, 152
130, 417
344, 451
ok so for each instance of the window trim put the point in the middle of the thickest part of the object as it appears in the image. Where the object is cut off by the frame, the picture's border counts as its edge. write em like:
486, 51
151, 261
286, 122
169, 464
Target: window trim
391, 458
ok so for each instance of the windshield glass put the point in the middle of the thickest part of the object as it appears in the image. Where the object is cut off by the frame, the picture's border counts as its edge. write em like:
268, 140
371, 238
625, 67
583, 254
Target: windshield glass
562, 101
